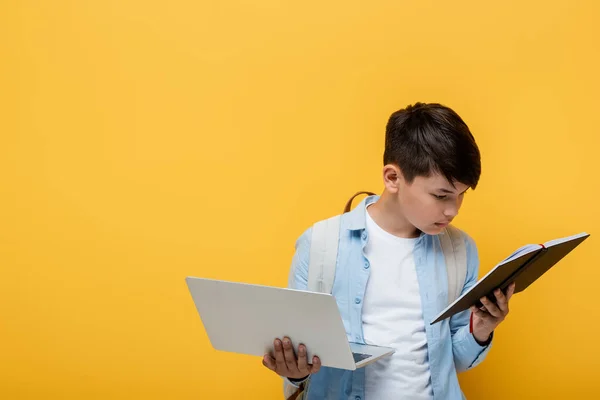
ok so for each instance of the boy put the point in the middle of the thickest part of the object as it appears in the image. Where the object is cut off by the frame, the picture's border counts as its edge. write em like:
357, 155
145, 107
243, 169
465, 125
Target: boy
390, 278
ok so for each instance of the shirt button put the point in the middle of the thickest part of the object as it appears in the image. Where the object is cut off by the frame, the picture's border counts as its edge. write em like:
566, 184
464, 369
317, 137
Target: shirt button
364, 235
357, 300
357, 398
367, 265
358, 338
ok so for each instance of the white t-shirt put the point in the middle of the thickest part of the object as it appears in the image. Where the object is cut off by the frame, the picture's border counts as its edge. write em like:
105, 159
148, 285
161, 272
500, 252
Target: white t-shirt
392, 316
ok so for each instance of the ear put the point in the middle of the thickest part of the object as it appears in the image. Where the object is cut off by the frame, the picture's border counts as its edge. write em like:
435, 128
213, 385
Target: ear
392, 178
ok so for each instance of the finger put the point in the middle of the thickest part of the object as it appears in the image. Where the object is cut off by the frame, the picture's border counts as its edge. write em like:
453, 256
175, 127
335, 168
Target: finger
316, 365
290, 357
269, 362
474, 310
302, 361
511, 290
480, 313
491, 308
279, 358
501, 302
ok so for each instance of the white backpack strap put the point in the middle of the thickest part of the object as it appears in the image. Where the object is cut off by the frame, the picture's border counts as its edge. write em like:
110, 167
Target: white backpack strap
323, 255
455, 254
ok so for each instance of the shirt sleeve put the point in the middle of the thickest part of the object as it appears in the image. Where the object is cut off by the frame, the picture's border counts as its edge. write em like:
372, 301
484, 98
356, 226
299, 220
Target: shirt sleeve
298, 279
298, 276
467, 352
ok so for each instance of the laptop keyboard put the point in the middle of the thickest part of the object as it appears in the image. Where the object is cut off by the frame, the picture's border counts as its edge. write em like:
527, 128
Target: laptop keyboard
360, 356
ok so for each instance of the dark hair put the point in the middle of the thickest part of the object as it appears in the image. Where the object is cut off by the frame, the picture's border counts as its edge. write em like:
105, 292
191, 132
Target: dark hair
423, 139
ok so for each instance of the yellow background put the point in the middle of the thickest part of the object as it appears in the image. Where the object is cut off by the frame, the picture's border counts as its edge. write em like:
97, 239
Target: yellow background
142, 142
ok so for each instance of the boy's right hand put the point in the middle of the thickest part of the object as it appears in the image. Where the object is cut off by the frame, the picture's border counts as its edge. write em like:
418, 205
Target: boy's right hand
285, 363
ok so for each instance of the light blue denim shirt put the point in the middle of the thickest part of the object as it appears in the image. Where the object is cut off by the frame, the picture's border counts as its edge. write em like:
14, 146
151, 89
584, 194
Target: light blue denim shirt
451, 347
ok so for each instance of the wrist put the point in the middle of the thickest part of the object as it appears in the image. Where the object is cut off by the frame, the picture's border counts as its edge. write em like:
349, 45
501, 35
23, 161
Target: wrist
299, 380
483, 338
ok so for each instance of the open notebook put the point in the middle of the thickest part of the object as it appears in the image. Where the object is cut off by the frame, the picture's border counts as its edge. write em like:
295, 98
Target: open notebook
523, 267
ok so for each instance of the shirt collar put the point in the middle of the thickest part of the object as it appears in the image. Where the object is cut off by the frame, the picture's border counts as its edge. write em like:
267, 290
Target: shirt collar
357, 218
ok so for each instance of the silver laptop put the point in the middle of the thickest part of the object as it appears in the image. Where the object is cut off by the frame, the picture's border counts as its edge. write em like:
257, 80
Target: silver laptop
244, 318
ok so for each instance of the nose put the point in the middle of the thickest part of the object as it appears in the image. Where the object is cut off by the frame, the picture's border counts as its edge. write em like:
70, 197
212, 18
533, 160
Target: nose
451, 209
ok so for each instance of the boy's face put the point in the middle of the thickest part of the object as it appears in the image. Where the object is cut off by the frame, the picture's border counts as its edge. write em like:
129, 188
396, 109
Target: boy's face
430, 203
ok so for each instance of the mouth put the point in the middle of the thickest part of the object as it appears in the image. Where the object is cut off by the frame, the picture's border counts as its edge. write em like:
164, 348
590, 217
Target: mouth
442, 224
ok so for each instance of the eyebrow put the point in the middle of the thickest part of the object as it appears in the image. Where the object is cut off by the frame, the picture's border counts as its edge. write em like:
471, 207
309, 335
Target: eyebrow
450, 191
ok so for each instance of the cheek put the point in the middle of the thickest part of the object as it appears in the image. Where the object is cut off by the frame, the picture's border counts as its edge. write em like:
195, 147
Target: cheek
421, 209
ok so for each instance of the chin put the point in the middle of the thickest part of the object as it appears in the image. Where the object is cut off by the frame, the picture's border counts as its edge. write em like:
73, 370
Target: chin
432, 230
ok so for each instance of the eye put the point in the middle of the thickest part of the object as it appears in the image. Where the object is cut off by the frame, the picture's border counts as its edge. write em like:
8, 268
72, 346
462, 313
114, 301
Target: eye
439, 197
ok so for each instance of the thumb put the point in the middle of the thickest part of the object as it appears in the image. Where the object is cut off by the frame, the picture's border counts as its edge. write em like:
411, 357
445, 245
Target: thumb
268, 362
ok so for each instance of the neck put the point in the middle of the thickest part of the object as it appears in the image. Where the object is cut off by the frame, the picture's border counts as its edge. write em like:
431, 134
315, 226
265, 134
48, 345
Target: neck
387, 213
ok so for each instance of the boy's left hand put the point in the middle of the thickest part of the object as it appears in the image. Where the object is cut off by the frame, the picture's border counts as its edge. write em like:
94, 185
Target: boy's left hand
487, 318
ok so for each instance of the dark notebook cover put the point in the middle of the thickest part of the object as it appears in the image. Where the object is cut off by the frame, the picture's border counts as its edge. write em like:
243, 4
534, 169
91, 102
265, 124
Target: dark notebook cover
523, 267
